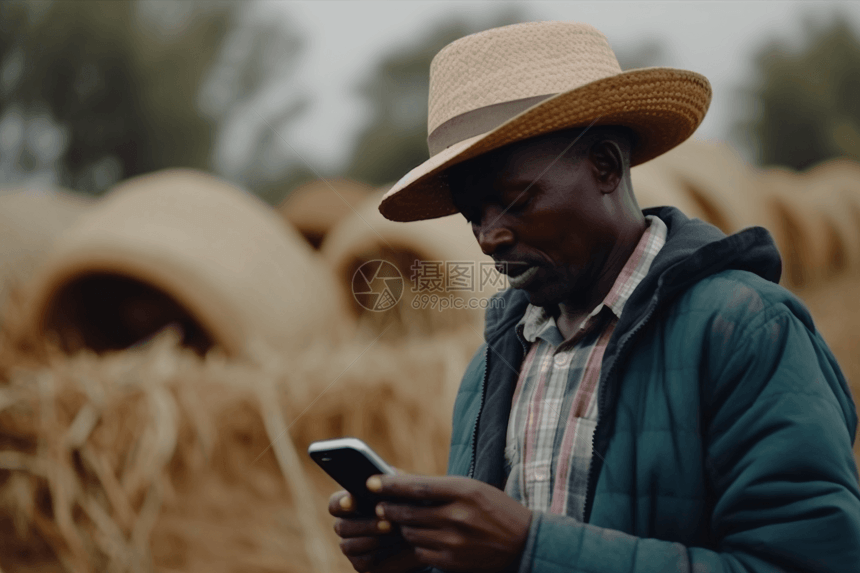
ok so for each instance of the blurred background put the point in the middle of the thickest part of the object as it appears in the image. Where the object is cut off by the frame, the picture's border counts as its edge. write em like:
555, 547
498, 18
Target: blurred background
188, 192
271, 94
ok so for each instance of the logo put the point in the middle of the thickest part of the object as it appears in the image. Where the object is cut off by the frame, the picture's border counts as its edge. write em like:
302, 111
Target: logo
377, 285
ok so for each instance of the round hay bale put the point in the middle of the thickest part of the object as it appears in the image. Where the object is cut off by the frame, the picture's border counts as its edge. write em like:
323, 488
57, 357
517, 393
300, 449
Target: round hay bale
817, 219
655, 187
446, 278
839, 173
30, 221
716, 179
835, 187
315, 207
797, 229
185, 248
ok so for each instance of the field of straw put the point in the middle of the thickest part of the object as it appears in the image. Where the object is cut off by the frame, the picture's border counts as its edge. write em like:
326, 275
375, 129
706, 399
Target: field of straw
157, 459
160, 457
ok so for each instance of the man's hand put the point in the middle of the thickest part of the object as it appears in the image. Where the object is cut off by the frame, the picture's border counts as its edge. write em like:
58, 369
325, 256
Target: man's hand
472, 527
370, 544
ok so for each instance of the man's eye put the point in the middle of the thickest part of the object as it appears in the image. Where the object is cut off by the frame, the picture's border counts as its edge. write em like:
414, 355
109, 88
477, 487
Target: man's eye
519, 200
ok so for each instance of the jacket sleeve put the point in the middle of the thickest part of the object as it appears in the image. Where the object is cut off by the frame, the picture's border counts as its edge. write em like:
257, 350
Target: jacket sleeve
778, 428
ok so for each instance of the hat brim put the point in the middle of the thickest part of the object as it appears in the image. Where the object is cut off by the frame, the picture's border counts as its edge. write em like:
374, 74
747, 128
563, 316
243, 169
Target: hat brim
664, 106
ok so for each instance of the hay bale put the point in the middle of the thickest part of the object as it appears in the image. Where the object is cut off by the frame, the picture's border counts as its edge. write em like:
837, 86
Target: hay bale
150, 461
715, 178
30, 221
653, 186
800, 234
817, 221
155, 459
840, 173
183, 247
316, 207
439, 261
835, 186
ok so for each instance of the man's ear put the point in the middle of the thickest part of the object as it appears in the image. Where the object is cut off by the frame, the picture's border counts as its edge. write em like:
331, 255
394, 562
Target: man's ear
608, 165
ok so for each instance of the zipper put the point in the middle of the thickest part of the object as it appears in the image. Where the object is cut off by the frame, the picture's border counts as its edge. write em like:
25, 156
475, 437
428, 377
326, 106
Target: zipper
591, 479
480, 408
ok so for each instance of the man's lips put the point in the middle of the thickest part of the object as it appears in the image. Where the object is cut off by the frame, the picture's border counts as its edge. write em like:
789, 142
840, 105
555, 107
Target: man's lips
513, 269
521, 279
519, 274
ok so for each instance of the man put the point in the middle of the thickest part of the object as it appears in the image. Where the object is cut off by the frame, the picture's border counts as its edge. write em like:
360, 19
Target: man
648, 399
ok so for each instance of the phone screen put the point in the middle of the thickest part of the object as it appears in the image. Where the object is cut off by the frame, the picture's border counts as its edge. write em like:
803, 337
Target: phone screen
350, 468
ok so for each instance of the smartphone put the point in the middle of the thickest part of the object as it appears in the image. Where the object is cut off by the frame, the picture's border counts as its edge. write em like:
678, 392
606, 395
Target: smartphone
349, 461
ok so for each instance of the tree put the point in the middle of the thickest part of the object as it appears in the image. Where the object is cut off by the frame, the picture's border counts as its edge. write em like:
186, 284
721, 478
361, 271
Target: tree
808, 101
92, 92
251, 94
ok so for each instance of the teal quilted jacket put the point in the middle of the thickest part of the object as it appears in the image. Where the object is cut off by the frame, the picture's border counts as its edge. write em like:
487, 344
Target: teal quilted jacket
725, 425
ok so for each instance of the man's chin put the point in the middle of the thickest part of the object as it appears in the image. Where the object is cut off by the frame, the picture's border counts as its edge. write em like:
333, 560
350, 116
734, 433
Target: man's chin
542, 297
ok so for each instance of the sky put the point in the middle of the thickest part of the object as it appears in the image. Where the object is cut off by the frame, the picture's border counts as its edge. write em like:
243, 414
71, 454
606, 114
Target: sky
344, 40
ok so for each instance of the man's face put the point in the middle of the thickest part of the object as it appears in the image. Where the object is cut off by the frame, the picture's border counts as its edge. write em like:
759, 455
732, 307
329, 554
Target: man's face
541, 215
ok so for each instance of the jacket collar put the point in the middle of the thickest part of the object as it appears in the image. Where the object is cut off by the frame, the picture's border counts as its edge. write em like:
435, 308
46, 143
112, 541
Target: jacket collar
694, 249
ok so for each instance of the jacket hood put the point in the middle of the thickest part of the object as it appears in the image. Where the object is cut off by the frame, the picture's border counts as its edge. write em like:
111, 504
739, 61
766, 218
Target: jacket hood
694, 249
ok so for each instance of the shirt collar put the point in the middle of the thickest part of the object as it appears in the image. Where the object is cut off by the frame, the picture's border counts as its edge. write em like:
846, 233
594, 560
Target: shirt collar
536, 322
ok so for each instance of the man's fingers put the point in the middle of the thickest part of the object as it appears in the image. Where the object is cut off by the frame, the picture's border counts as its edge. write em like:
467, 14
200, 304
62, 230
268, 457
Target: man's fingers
407, 514
362, 527
354, 546
419, 537
341, 504
417, 487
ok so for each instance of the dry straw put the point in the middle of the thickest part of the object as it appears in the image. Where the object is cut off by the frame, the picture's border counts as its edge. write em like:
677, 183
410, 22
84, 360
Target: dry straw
156, 459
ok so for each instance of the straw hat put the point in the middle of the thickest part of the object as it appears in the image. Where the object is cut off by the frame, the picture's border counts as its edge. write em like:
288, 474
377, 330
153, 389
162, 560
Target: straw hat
521, 81
219, 254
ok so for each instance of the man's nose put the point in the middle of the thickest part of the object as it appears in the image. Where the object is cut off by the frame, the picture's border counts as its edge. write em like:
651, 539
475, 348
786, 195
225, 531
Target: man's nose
493, 237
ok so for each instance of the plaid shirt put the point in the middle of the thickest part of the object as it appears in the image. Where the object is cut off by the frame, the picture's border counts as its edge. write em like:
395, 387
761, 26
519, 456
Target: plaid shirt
554, 409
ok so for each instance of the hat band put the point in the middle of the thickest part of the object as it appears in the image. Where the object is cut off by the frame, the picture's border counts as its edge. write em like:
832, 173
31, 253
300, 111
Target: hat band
478, 121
